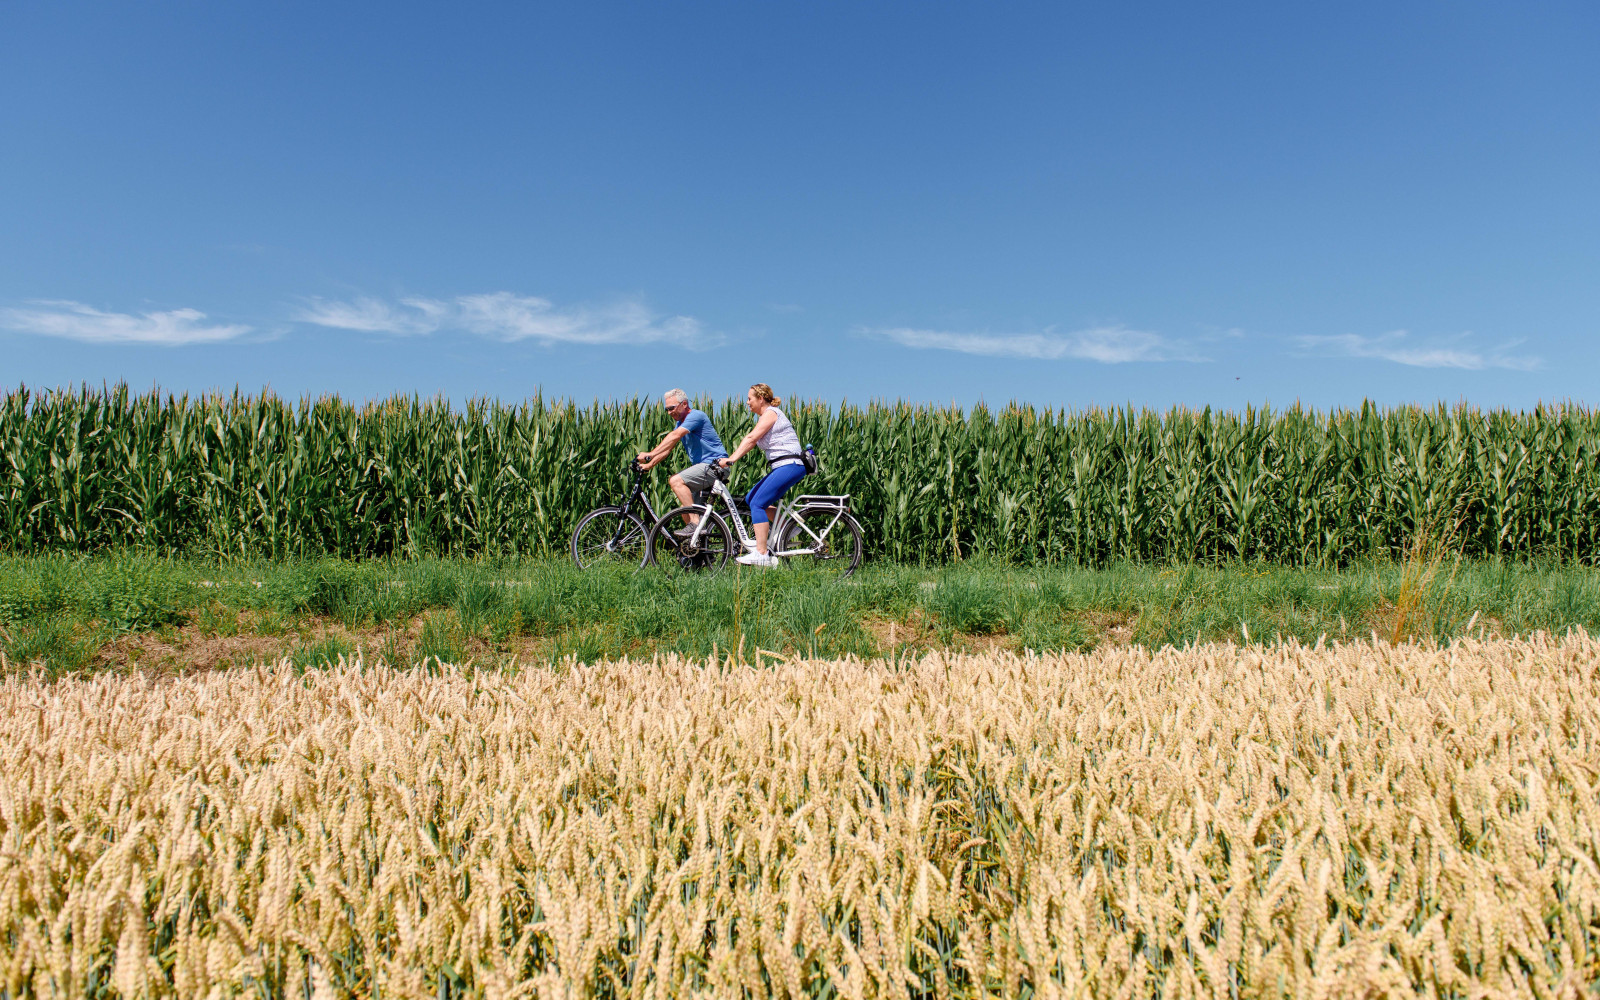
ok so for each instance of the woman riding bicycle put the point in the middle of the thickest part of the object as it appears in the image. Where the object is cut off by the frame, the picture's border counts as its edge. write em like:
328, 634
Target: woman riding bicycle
776, 437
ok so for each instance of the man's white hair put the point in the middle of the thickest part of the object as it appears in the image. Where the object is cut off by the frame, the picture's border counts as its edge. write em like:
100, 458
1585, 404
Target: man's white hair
675, 396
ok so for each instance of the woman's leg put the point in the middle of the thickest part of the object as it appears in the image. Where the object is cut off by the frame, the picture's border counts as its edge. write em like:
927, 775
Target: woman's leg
759, 522
763, 500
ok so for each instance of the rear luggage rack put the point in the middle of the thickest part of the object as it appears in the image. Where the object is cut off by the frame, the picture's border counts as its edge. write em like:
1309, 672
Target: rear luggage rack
842, 501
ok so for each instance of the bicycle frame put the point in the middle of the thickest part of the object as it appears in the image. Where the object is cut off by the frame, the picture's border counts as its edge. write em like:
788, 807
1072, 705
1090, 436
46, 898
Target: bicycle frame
790, 513
635, 494
786, 513
638, 493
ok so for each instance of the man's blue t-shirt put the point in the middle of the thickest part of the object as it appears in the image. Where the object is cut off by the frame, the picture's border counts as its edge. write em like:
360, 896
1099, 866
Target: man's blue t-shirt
701, 442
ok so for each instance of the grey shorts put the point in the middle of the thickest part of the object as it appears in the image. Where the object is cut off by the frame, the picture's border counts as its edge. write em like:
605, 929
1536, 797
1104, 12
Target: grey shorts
699, 479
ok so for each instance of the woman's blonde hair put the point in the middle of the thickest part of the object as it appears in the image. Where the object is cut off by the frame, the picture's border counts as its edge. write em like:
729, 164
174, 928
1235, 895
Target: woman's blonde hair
764, 391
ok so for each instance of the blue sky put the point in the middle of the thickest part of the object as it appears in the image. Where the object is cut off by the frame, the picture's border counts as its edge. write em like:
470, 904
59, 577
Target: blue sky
1064, 204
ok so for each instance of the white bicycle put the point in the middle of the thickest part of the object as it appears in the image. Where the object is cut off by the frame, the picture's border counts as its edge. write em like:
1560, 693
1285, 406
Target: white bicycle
817, 529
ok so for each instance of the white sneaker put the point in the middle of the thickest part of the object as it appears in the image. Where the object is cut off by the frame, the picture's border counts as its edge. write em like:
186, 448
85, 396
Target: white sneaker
757, 559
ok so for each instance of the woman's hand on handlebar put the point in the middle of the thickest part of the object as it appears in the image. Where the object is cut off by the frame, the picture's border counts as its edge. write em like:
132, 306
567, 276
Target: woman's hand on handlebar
725, 462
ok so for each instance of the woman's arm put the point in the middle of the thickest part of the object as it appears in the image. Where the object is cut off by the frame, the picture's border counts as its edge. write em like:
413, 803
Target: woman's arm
756, 434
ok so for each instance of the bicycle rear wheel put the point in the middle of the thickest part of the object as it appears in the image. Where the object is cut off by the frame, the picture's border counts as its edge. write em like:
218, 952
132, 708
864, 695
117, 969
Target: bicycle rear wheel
832, 535
675, 555
607, 535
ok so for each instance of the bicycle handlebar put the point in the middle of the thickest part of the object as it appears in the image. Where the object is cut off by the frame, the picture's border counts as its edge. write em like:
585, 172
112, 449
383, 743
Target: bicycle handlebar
716, 469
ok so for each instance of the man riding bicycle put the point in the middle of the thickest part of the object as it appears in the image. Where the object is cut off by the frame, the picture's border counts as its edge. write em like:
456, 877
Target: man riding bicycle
700, 440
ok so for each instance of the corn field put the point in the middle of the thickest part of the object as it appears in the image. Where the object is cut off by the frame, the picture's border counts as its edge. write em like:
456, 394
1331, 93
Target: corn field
259, 476
1218, 821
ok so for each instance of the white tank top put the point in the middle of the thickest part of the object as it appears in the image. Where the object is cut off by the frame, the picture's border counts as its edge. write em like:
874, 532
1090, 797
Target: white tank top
780, 438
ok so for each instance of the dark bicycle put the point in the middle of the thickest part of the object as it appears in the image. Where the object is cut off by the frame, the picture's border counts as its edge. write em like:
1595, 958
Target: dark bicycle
616, 533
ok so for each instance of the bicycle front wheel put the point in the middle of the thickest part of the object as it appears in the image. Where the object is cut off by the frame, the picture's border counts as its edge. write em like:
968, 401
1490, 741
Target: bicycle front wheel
608, 535
676, 554
822, 537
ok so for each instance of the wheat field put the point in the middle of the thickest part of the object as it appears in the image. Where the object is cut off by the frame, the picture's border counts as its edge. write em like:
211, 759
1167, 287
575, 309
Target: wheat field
1351, 820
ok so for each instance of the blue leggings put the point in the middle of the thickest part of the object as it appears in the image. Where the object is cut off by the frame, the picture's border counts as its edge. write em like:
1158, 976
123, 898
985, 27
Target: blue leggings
771, 489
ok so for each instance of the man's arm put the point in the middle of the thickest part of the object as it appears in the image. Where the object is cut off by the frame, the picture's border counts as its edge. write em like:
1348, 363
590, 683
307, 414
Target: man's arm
652, 458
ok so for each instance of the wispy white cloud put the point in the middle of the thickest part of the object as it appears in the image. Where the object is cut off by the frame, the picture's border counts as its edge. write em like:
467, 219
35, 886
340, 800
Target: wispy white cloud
76, 321
509, 317
1437, 352
416, 316
1109, 345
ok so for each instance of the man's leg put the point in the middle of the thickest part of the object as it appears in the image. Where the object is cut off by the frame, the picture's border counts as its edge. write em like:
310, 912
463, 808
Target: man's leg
691, 485
680, 489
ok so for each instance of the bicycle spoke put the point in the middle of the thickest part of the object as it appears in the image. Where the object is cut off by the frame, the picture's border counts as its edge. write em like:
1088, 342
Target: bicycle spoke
701, 548
608, 535
834, 546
